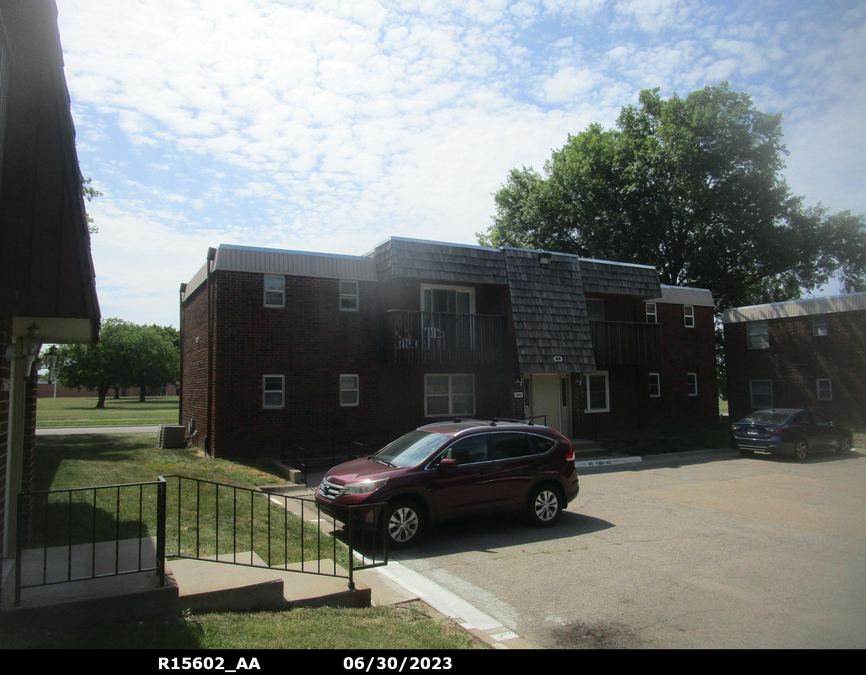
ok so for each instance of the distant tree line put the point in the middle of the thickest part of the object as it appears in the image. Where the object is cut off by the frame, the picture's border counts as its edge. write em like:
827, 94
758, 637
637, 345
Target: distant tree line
127, 355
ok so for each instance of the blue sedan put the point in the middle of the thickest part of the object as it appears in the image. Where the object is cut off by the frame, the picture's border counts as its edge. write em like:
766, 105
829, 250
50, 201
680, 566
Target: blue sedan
788, 431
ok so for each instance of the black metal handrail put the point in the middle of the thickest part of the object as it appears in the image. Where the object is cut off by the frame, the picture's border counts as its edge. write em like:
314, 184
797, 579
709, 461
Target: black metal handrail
88, 533
256, 528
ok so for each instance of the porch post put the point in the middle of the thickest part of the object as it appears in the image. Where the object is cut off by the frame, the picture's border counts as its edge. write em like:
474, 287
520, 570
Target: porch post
15, 450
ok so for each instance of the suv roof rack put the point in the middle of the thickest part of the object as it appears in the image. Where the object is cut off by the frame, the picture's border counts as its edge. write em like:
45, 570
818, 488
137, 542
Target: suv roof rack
492, 422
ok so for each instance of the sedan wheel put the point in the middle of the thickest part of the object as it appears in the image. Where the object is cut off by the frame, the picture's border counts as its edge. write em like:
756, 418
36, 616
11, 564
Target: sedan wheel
802, 449
545, 506
844, 446
405, 524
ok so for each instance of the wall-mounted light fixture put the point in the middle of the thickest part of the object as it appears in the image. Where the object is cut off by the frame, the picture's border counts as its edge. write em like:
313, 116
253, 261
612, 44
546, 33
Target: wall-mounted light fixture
544, 258
51, 358
32, 343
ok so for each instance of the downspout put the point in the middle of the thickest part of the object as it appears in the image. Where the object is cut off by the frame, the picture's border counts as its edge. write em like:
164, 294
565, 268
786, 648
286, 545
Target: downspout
211, 256
180, 323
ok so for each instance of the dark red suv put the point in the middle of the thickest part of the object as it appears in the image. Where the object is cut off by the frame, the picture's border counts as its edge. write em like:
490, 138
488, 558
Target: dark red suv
440, 471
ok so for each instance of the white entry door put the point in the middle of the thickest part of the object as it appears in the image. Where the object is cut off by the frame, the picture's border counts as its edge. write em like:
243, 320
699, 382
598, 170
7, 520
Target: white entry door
547, 394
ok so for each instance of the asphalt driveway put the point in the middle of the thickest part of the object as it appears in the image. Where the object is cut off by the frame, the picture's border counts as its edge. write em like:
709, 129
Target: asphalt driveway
710, 551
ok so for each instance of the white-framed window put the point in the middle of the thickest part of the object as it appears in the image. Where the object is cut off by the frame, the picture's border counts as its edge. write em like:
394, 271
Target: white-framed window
350, 391
273, 391
348, 296
758, 335
689, 316
597, 392
655, 385
449, 395
448, 299
595, 309
692, 384
819, 326
825, 389
275, 291
651, 313
761, 393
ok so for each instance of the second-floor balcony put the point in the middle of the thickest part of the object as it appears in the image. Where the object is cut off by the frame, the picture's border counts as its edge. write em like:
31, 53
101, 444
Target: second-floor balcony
439, 337
621, 343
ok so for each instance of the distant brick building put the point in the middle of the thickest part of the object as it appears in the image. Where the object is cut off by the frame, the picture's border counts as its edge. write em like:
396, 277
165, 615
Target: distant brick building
282, 346
799, 354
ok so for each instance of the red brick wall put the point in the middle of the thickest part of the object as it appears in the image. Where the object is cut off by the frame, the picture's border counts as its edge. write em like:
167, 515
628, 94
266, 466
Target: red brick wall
796, 359
194, 376
310, 342
684, 350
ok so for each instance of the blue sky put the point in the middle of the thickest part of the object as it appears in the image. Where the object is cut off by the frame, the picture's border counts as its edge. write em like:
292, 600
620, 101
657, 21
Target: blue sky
330, 126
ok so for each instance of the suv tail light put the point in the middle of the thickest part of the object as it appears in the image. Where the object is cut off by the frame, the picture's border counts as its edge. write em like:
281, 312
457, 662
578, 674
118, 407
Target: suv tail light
570, 455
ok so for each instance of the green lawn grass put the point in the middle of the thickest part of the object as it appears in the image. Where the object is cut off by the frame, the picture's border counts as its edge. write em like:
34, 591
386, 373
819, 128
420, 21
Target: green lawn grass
101, 459
407, 626
82, 412
203, 518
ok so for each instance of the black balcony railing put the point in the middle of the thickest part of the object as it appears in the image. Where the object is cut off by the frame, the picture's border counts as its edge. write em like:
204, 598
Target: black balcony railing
620, 343
439, 337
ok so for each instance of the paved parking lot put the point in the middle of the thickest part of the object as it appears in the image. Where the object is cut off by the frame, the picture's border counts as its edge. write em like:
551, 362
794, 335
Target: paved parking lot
716, 551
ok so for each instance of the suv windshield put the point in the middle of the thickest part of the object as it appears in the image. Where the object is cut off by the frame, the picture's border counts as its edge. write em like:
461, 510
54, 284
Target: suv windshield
410, 449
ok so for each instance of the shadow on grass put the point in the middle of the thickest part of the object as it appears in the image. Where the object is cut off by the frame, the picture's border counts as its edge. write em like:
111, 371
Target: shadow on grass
51, 451
73, 518
173, 634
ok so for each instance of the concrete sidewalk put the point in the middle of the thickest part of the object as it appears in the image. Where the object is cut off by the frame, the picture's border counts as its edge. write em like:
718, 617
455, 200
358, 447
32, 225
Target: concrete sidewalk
69, 431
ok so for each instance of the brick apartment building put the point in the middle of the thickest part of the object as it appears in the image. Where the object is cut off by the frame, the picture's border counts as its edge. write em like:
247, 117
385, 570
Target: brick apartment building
47, 286
283, 346
799, 354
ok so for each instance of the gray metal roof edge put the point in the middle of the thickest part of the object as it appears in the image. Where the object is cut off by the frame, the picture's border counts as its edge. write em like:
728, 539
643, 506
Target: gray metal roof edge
264, 249
431, 243
613, 262
684, 295
197, 280
776, 310
691, 288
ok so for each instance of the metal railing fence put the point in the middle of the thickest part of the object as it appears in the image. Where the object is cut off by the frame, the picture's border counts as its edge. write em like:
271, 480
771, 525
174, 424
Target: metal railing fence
87, 533
206, 520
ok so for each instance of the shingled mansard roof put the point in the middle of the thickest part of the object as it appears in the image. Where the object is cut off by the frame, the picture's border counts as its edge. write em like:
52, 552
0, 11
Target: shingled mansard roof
550, 322
548, 301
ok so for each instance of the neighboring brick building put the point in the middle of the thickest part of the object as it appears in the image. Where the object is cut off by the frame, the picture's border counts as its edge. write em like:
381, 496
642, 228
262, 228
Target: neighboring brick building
47, 286
799, 354
290, 347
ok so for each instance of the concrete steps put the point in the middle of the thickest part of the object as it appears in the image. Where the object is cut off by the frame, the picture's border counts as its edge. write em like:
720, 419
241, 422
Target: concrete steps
198, 585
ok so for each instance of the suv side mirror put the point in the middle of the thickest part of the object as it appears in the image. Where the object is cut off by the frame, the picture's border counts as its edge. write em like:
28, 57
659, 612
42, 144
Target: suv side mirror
447, 464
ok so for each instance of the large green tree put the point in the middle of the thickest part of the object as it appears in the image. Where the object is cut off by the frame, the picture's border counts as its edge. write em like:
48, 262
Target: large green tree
125, 355
100, 366
155, 359
692, 186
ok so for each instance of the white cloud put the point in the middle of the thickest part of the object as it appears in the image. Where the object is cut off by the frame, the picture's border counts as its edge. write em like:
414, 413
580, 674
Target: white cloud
330, 125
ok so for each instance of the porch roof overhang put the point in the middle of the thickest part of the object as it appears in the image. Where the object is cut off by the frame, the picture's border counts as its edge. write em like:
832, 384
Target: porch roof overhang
46, 268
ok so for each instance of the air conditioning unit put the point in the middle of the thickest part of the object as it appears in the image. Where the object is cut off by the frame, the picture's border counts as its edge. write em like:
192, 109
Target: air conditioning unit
172, 436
